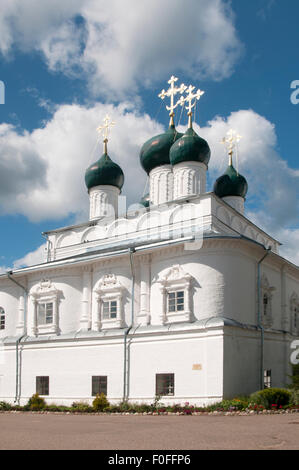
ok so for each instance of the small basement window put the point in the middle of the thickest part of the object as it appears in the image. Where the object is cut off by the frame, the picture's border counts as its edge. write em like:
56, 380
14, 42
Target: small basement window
42, 385
99, 385
164, 384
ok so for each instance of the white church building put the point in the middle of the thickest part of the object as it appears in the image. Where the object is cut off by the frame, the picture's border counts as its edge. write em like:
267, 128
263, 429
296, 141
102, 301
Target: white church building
182, 297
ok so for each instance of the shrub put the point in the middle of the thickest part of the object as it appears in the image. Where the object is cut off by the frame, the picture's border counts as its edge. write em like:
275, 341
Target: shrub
294, 397
100, 402
4, 406
81, 407
271, 397
59, 408
294, 377
36, 403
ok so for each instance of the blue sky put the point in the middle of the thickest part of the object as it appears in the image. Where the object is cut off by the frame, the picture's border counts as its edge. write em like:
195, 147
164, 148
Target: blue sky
65, 64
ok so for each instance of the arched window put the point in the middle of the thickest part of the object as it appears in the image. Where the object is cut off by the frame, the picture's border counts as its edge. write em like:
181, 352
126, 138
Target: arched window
2, 319
267, 292
294, 311
265, 304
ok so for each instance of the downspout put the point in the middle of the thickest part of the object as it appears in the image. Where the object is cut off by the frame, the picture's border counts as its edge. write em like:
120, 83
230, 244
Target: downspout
127, 331
18, 373
259, 316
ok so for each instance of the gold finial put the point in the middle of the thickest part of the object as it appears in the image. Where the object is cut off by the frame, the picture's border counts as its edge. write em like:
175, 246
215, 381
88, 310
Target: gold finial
189, 99
231, 140
105, 130
171, 92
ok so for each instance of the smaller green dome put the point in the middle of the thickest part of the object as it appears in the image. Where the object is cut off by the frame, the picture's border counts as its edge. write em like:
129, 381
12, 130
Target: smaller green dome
155, 151
190, 148
104, 172
145, 200
231, 184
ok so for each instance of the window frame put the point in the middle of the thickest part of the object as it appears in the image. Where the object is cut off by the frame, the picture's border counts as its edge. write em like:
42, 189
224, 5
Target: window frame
109, 290
2, 319
160, 389
173, 281
39, 386
267, 378
45, 293
104, 380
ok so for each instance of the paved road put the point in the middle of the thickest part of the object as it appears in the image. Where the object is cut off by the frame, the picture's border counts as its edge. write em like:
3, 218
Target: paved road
32, 431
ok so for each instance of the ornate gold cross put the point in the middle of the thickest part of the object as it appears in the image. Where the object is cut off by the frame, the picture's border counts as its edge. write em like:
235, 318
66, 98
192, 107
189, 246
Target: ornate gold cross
191, 99
104, 130
171, 92
231, 140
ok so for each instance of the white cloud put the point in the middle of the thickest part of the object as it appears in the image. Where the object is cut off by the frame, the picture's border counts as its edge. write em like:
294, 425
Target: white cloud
273, 185
30, 259
42, 173
122, 44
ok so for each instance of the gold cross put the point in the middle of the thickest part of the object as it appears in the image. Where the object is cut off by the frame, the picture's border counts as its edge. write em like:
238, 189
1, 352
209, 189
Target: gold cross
231, 140
171, 92
192, 96
105, 129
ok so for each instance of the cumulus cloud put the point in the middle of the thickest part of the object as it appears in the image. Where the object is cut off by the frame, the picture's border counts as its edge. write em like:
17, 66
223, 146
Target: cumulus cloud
42, 172
121, 45
30, 259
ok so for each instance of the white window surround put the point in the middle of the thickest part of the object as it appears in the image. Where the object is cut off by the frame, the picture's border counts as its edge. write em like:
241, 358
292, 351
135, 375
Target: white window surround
45, 293
2, 318
294, 309
266, 292
174, 280
109, 289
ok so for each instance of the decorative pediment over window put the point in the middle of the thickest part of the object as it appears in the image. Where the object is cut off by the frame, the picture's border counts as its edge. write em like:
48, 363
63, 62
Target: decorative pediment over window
294, 308
174, 275
44, 288
175, 285
266, 301
109, 303
109, 283
45, 299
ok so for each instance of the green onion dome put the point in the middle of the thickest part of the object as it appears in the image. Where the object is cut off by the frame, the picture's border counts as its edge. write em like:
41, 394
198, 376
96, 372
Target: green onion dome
190, 148
155, 152
231, 184
145, 201
104, 172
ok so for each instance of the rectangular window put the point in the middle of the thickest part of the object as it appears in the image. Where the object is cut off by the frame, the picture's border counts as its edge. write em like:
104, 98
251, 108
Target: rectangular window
109, 309
164, 384
99, 385
176, 301
42, 385
2, 319
45, 313
267, 378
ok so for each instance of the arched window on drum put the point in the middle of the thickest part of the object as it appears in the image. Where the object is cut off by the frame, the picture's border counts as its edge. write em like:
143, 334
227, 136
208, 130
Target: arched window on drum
2, 318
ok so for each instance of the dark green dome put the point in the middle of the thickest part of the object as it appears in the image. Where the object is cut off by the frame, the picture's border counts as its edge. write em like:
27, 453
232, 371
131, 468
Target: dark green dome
155, 152
231, 184
104, 172
145, 201
190, 148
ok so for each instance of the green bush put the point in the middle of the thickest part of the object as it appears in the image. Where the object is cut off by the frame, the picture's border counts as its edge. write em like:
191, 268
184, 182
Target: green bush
59, 408
294, 377
36, 403
81, 407
4, 406
100, 402
295, 397
271, 398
